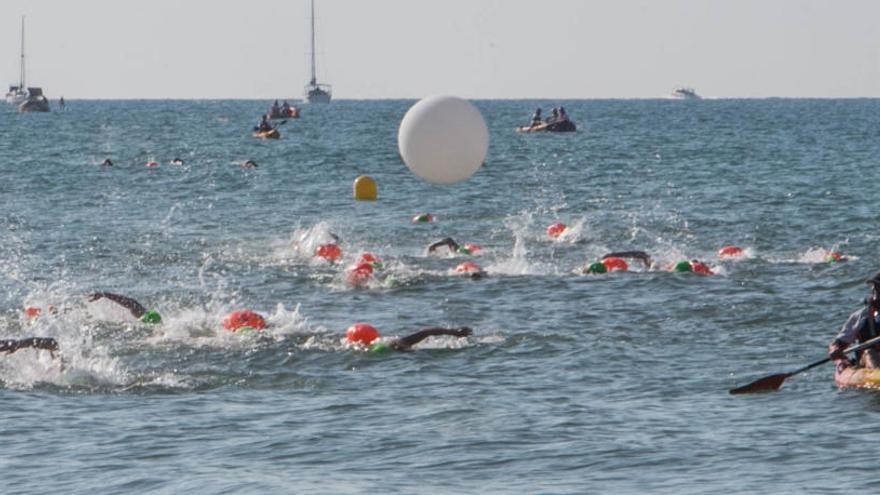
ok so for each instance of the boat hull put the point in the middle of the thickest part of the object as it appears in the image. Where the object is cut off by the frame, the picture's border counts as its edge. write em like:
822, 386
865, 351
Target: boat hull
292, 114
564, 126
273, 134
857, 377
16, 98
34, 105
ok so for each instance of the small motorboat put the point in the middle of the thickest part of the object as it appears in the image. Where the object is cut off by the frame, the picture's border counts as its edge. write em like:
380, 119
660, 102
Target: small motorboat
291, 113
270, 134
560, 126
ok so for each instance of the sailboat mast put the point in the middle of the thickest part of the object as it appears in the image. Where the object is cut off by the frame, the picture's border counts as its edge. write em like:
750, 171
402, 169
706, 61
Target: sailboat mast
21, 68
314, 80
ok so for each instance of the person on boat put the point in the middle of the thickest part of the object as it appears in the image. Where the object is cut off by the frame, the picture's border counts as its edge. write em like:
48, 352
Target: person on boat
137, 309
264, 125
862, 325
275, 110
562, 115
285, 109
536, 117
554, 116
365, 334
45, 343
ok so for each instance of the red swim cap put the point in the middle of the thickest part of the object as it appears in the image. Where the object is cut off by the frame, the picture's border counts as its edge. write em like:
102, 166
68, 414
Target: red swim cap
243, 318
614, 263
31, 311
556, 229
328, 251
359, 273
361, 332
701, 268
730, 251
468, 267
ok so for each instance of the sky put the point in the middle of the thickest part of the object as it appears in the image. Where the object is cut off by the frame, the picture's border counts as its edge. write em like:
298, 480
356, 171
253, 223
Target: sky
480, 49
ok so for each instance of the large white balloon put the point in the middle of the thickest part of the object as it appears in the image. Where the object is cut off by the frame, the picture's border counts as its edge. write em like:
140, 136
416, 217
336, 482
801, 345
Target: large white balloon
443, 139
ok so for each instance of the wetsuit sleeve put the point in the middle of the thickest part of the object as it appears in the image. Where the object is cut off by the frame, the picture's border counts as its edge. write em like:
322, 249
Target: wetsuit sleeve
135, 307
415, 338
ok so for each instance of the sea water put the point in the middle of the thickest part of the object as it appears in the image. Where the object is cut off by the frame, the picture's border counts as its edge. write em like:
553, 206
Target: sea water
571, 383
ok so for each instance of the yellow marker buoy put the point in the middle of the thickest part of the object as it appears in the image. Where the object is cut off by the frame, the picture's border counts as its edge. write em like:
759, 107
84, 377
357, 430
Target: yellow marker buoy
364, 188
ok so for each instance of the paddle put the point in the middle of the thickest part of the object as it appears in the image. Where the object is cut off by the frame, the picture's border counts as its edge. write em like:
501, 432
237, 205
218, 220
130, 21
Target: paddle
773, 382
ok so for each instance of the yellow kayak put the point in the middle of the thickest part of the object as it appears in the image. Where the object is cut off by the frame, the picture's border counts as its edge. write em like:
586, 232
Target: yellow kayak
858, 377
272, 134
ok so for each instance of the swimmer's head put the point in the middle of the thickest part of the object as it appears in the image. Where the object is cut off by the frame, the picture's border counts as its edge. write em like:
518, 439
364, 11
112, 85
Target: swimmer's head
379, 348
152, 317
596, 268
682, 267
363, 333
556, 229
32, 311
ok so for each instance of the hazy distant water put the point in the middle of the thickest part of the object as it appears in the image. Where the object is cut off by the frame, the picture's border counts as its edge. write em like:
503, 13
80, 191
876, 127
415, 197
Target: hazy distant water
571, 384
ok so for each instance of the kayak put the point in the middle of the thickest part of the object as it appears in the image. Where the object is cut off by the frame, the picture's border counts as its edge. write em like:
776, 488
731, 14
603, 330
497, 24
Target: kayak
856, 376
564, 126
271, 134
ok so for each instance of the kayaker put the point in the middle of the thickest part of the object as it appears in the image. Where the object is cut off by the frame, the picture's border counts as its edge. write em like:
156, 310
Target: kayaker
264, 124
365, 334
536, 117
11, 345
137, 309
861, 326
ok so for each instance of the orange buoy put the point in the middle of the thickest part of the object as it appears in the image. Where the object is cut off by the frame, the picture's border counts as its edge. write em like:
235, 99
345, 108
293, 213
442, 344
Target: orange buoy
423, 218
556, 229
361, 332
614, 263
468, 267
729, 251
701, 268
243, 318
328, 251
32, 312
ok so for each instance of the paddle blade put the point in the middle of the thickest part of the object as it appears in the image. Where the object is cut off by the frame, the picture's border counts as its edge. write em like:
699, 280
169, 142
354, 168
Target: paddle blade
766, 384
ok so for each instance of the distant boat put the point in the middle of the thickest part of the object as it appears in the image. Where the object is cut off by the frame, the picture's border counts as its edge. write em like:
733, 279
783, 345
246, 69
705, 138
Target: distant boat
35, 101
685, 94
314, 92
17, 94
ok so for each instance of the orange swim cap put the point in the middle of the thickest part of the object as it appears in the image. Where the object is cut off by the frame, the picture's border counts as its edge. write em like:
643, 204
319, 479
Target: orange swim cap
361, 332
328, 251
556, 229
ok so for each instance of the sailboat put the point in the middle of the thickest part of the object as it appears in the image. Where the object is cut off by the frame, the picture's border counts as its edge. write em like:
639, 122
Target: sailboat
314, 92
18, 94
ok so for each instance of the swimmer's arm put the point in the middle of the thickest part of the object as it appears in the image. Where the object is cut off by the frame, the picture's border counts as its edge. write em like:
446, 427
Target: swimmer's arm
11, 345
135, 307
639, 255
413, 339
453, 246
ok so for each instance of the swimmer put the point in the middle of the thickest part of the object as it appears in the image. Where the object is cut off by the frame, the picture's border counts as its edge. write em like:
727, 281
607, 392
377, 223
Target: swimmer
469, 248
695, 266
471, 269
249, 164
638, 255
137, 310
243, 320
107, 163
368, 334
11, 345
177, 161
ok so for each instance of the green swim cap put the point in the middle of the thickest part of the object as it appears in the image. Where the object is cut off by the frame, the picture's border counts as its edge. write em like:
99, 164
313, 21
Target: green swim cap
463, 250
682, 266
379, 347
151, 316
391, 281
377, 265
245, 328
596, 268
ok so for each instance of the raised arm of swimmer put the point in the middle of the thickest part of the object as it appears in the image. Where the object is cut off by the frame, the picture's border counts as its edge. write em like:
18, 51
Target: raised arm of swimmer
413, 339
453, 246
135, 307
639, 255
11, 345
